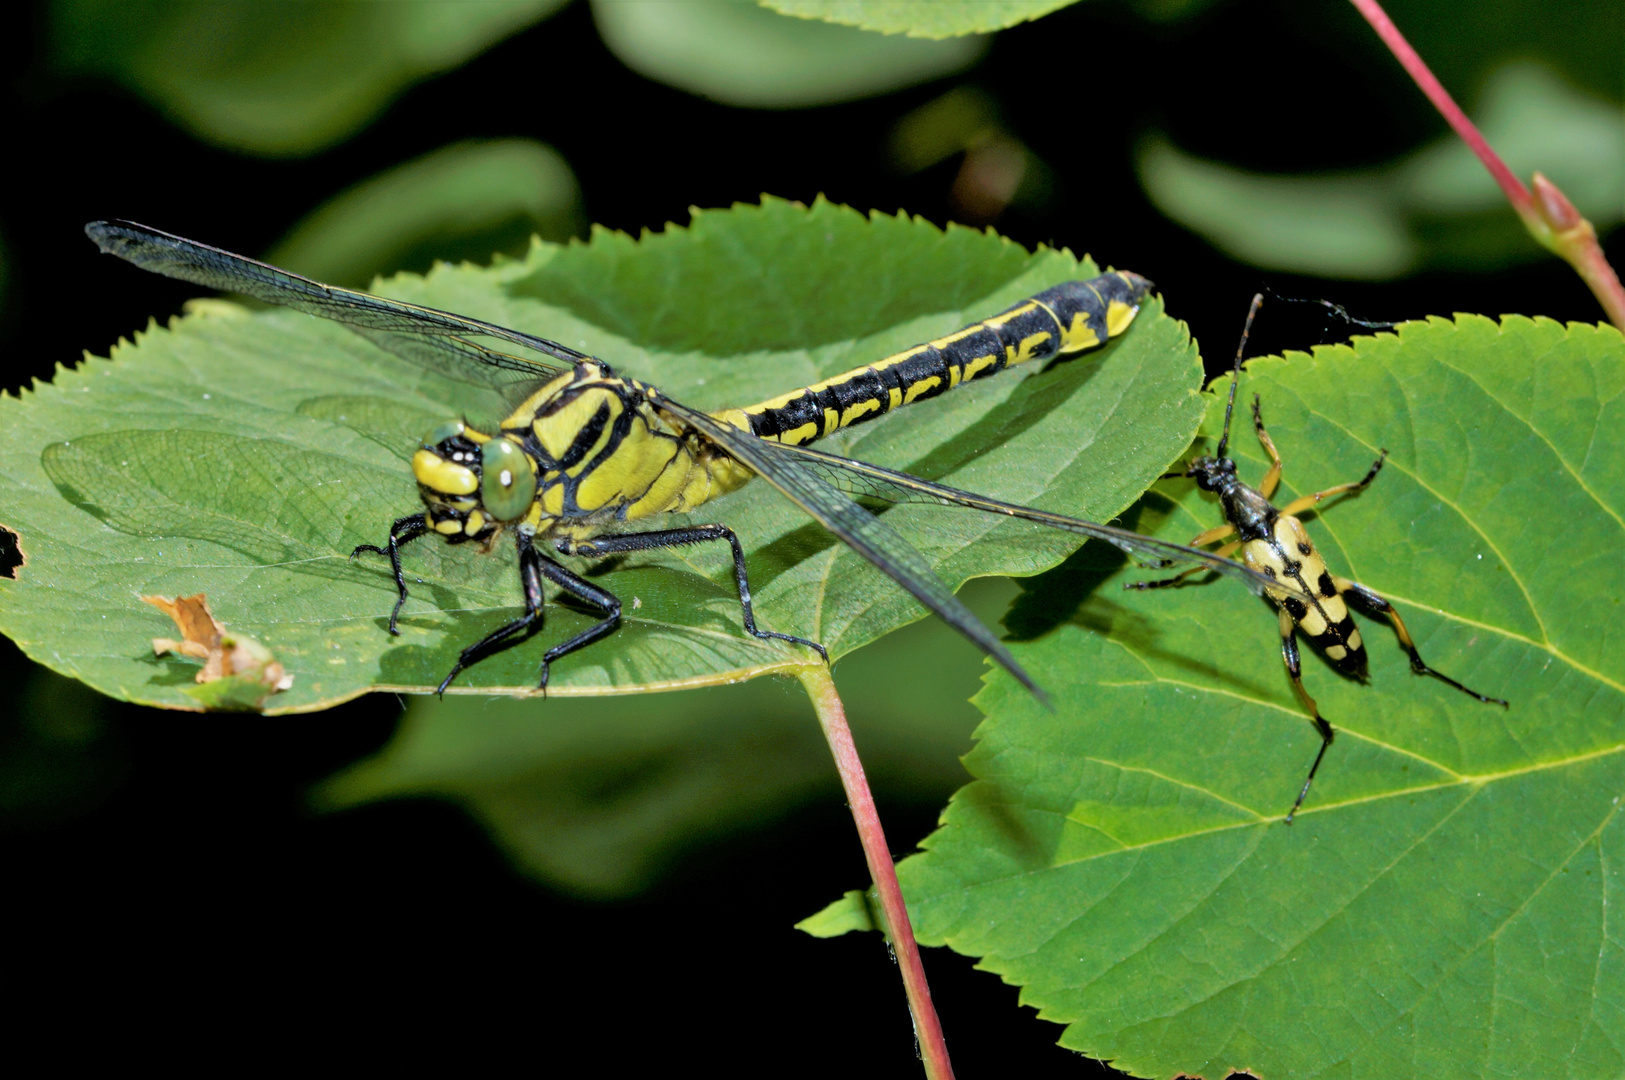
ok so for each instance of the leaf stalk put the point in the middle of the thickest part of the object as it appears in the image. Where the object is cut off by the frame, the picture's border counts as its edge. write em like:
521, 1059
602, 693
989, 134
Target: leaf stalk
820, 687
1546, 212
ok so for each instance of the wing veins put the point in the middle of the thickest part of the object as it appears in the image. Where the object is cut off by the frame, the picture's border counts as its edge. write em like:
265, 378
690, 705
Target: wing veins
401, 328
876, 481
860, 530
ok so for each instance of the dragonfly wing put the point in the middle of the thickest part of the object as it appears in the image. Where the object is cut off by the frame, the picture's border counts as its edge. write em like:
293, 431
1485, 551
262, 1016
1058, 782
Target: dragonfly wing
426, 336
856, 527
875, 481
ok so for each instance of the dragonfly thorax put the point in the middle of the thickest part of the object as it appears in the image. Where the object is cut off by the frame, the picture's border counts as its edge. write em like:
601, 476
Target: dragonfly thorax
583, 451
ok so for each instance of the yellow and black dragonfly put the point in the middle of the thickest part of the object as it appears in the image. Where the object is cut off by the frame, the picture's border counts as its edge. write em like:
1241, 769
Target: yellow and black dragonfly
587, 456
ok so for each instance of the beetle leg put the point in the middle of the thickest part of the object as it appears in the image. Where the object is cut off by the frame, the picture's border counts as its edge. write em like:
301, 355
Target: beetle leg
1382, 607
1298, 506
1294, 668
1162, 583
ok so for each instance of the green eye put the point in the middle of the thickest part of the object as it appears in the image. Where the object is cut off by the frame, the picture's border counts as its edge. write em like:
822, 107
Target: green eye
507, 480
449, 430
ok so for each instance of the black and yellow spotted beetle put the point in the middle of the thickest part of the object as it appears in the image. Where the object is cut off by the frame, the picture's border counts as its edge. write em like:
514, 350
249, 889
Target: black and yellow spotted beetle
587, 457
1273, 542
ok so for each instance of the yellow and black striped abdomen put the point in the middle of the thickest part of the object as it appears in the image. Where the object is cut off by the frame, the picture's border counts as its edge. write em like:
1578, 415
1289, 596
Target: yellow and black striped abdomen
1068, 318
1325, 620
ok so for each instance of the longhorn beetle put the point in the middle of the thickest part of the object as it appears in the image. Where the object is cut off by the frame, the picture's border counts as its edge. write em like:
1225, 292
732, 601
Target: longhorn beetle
1274, 543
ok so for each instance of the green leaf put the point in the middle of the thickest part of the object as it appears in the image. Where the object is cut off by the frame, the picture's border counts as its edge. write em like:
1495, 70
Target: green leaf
1442, 907
273, 78
1436, 208
853, 911
244, 456
921, 18
604, 797
463, 201
742, 54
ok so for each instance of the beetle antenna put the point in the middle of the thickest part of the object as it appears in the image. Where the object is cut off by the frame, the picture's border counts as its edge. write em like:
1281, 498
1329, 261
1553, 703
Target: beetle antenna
1235, 376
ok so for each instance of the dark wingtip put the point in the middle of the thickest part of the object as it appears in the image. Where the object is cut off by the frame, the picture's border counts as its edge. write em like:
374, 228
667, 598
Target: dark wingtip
1002, 657
1027, 680
111, 236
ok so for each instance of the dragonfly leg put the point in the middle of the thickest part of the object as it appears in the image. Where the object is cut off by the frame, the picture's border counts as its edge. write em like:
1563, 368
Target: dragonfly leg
583, 589
531, 569
402, 531
698, 534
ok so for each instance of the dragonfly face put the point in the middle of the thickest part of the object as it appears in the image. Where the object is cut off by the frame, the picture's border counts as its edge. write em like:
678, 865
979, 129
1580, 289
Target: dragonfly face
472, 483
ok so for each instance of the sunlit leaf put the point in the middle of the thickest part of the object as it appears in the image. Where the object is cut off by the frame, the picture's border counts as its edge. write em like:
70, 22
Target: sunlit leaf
1442, 907
244, 456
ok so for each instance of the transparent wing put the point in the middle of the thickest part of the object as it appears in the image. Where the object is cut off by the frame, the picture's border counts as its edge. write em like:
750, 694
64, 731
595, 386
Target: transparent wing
877, 482
869, 536
824, 485
438, 340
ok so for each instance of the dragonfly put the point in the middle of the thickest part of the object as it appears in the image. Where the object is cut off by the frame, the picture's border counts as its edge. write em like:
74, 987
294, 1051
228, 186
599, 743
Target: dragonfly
588, 461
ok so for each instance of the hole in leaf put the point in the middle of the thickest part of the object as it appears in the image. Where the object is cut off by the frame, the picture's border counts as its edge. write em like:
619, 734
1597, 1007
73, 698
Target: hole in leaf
11, 553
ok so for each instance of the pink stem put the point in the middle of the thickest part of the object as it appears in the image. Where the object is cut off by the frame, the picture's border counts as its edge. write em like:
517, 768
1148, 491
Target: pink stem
832, 718
1516, 193
1547, 213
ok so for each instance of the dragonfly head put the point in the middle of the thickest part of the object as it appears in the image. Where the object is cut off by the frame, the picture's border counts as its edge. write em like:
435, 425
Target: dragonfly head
472, 483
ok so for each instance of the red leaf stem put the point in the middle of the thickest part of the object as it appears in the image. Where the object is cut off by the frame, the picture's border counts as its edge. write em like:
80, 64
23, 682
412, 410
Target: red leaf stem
832, 718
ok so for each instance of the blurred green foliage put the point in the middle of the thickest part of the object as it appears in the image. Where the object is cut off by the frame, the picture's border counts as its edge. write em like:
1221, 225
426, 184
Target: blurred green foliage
996, 170
1466, 46
604, 797
274, 78
921, 18
742, 54
60, 754
1437, 208
461, 202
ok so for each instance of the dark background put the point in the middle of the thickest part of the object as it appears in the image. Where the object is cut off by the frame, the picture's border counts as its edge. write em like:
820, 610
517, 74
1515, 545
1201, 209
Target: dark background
164, 878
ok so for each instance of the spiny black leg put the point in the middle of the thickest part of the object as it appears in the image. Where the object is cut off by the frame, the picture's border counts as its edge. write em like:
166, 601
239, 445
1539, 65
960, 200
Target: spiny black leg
697, 534
1382, 607
530, 580
1326, 733
404, 530
1294, 668
592, 594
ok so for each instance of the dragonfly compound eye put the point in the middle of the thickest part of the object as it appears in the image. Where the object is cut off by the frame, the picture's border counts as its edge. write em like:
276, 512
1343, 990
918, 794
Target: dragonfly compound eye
507, 480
